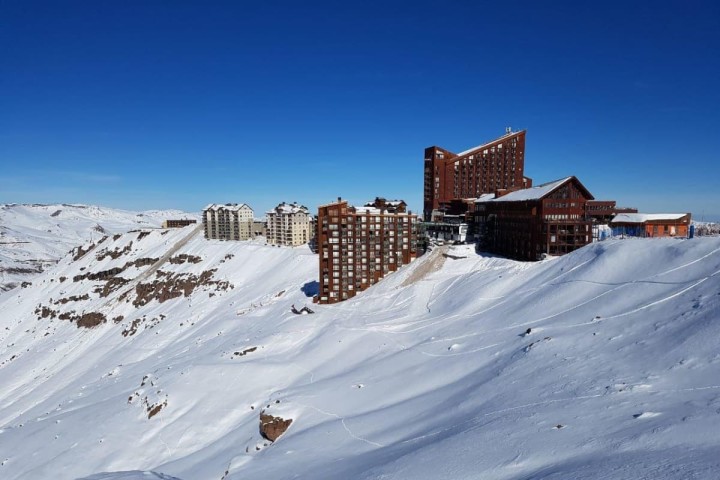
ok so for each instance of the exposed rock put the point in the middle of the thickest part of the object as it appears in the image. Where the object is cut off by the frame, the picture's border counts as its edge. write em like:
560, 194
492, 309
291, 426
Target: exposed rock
45, 312
184, 257
114, 254
90, 320
143, 234
79, 252
272, 427
111, 285
245, 352
175, 285
112, 272
73, 298
132, 329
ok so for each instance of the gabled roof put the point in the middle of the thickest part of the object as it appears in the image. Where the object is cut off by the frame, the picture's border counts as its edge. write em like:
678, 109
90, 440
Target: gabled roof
537, 192
646, 217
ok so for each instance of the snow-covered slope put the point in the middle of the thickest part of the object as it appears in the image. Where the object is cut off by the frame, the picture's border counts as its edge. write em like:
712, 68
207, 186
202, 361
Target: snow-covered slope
33, 237
432, 373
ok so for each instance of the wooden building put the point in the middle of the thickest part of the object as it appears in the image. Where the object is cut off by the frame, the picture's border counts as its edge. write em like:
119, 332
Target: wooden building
527, 224
651, 224
358, 246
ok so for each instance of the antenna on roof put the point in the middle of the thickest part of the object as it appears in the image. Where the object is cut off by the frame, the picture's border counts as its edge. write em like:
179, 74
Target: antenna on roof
508, 130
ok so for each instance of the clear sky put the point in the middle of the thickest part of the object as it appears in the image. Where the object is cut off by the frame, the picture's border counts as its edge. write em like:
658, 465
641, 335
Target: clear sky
176, 104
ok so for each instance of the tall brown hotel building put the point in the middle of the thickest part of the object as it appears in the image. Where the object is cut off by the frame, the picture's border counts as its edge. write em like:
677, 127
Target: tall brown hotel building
358, 246
486, 168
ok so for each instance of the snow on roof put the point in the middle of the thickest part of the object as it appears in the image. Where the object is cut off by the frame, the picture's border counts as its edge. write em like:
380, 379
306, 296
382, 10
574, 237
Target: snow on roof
533, 193
645, 217
366, 209
485, 197
233, 207
288, 208
487, 144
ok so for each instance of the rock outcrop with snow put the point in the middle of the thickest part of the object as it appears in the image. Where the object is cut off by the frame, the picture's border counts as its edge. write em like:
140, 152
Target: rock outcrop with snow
34, 237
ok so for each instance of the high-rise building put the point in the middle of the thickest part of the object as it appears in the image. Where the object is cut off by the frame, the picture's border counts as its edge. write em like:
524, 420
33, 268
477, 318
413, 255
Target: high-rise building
289, 224
495, 165
358, 246
231, 221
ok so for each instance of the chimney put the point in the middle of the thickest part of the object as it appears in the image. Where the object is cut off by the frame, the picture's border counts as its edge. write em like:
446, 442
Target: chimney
501, 192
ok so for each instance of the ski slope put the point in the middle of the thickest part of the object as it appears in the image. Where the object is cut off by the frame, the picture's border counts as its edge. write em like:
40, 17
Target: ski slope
600, 364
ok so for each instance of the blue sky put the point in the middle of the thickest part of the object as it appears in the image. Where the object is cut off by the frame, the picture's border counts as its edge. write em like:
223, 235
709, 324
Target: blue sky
144, 104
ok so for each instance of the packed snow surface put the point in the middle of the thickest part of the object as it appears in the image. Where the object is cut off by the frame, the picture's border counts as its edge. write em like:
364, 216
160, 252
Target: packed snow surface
600, 364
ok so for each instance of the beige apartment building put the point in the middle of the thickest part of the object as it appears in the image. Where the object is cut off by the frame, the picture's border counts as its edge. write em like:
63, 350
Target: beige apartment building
358, 246
289, 224
231, 221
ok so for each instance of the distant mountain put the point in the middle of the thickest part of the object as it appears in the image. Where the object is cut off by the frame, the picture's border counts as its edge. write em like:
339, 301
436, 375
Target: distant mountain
158, 354
33, 237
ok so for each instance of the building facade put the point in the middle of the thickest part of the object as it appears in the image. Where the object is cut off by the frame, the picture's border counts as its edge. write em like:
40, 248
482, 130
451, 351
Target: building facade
289, 224
550, 219
358, 246
602, 211
184, 222
499, 164
651, 224
231, 221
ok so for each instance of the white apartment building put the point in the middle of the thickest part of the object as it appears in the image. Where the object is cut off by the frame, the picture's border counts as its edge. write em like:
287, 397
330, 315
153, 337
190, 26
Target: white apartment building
231, 221
289, 224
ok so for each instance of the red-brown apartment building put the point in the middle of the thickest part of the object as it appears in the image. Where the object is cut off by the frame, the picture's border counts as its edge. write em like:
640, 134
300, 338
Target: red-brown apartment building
498, 164
358, 246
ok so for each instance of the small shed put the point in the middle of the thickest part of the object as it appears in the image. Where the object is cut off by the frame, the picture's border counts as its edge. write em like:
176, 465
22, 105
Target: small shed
651, 224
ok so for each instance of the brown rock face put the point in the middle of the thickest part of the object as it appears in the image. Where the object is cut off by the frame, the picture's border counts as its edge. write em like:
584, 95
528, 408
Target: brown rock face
272, 427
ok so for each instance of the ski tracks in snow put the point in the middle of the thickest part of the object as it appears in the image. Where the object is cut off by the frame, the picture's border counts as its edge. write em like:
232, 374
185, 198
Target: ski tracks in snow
342, 421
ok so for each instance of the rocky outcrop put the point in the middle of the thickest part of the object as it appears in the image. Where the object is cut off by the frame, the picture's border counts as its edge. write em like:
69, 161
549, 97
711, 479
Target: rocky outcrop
112, 272
85, 320
73, 298
90, 320
272, 427
79, 252
114, 254
174, 285
245, 352
184, 257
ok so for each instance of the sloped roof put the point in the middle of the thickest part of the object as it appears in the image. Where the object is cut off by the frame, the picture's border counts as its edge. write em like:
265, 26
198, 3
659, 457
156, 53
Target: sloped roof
485, 197
487, 144
534, 193
645, 217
